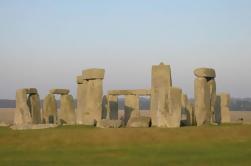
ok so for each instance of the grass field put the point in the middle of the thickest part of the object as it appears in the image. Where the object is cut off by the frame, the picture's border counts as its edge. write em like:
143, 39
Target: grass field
80, 145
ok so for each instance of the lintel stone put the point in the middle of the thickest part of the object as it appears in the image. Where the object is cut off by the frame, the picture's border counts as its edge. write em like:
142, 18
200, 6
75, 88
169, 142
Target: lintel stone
94, 73
140, 92
205, 72
59, 91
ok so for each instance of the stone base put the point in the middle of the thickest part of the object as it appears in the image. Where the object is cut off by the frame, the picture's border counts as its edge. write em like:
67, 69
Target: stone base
106, 123
139, 122
32, 126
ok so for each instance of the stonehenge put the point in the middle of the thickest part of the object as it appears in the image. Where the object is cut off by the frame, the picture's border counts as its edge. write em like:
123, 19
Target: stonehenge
205, 95
170, 107
66, 115
161, 83
222, 108
90, 94
27, 107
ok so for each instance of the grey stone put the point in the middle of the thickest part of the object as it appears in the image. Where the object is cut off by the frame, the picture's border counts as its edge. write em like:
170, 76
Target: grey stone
142, 92
32, 126
93, 74
139, 122
205, 72
202, 101
131, 105
22, 113
80, 79
90, 101
107, 123
225, 111
67, 110
161, 83
35, 108
50, 109
59, 91
110, 107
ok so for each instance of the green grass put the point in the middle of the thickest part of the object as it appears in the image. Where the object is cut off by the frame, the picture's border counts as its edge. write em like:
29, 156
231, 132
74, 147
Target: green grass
80, 145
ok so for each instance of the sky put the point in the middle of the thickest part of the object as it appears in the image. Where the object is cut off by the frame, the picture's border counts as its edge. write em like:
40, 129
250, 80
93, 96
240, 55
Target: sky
45, 44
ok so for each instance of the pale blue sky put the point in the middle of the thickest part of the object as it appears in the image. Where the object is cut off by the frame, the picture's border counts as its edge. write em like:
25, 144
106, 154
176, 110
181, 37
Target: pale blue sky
46, 43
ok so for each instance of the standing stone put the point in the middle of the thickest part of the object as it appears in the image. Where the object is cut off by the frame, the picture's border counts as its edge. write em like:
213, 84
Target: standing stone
81, 101
67, 113
35, 108
105, 108
185, 110
50, 109
202, 101
218, 109
225, 111
161, 83
131, 107
212, 90
170, 114
113, 107
90, 94
191, 119
22, 113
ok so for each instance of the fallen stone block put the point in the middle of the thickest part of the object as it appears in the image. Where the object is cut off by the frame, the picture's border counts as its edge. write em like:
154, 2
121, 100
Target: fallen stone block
139, 122
107, 123
32, 126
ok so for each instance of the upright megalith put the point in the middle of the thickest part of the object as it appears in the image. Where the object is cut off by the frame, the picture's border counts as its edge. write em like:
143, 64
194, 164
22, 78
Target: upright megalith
131, 107
67, 110
66, 114
223, 110
170, 114
110, 107
161, 83
205, 95
50, 109
27, 107
90, 93
35, 108
186, 110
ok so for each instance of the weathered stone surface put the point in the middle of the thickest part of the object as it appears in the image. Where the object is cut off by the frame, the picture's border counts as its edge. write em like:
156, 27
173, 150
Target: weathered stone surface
67, 111
107, 123
191, 118
212, 91
33, 126
31, 91
90, 101
131, 105
80, 79
35, 108
110, 107
139, 122
225, 111
22, 112
93, 74
50, 109
170, 114
185, 121
113, 107
161, 83
218, 109
205, 72
142, 92
202, 101
81, 100
59, 91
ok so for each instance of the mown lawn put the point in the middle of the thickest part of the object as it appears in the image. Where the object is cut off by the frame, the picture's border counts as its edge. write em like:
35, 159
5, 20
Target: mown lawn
80, 145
